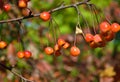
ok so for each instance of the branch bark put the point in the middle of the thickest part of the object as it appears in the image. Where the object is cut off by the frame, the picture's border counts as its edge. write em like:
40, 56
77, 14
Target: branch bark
14, 72
51, 11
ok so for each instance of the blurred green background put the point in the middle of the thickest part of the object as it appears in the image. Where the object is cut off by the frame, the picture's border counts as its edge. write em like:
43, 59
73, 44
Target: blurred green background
35, 36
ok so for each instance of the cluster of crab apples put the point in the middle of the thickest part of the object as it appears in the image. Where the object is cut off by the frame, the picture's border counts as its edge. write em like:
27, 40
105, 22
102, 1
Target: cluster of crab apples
20, 54
24, 54
7, 6
62, 44
106, 34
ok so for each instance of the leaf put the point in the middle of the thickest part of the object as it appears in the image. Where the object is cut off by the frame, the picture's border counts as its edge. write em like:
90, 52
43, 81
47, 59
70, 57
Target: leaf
108, 72
78, 30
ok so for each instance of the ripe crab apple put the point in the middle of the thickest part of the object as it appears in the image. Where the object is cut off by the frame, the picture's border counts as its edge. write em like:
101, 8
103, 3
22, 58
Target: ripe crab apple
105, 27
49, 50
61, 42
25, 12
22, 4
7, 7
89, 37
3, 44
66, 45
115, 27
20, 54
45, 16
56, 47
110, 36
74, 51
93, 45
27, 53
97, 38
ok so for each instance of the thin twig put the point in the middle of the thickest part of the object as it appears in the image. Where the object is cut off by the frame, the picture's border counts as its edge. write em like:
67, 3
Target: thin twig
51, 11
23, 78
15, 73
78, 24
92, 15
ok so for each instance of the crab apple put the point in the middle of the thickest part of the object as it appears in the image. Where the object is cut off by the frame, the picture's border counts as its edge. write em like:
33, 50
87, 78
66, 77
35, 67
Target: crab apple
3, 44
27, 53
66, 45
45, 16
20, 54
25, 12
97, 38
104, 34
89, 37
74, 51
22, 4
110, 36
49, 50
93, 44
7, 7
105, 27
56, 47
61, 42
115, 27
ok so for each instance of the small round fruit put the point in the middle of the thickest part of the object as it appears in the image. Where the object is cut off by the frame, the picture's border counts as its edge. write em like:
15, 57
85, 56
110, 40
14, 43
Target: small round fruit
105, 27
61, 42
7, 7
66, 45
3, 44
97, 38
49, 50
56, 47
45, 16
115, 27
25, 12
20, 54
74, 51
93, 45
110, 36
89, 37
28, 54
22, 4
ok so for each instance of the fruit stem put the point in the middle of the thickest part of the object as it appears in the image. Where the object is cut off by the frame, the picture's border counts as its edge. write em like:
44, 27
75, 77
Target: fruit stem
51, 11
79, 13
53, 30
92, 16
103, 14
59, 32
15, 73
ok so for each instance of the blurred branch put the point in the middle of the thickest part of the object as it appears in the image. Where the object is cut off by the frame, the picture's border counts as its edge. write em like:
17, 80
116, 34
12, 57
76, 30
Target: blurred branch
15, 73
51, 11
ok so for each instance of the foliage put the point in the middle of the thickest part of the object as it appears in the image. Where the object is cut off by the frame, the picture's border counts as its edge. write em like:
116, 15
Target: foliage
42, 67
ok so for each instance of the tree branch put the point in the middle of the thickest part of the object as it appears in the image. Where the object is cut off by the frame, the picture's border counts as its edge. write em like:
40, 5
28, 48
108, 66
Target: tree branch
51, 11
15, 73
